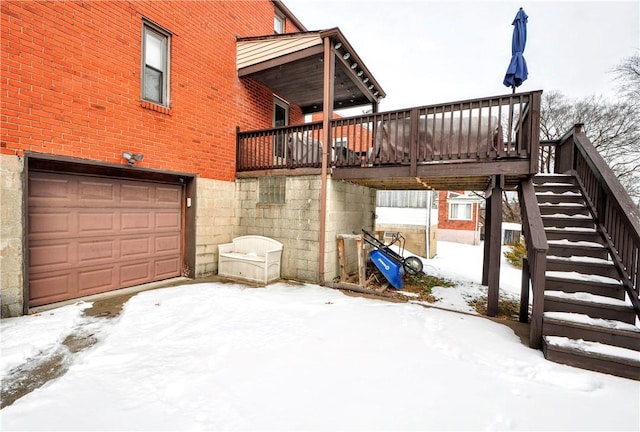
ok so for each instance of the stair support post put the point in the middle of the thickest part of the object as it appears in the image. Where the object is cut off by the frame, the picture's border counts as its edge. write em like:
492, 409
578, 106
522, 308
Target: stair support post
492, 247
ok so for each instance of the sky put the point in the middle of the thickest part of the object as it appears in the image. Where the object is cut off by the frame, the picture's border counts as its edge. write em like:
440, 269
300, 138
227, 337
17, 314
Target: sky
216, 356
425, 52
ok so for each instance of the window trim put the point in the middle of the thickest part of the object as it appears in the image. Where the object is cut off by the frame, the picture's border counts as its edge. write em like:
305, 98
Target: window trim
281, 19
149, 26
455, 216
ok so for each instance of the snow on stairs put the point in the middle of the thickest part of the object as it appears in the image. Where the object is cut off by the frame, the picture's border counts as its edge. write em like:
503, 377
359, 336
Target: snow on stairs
588, 322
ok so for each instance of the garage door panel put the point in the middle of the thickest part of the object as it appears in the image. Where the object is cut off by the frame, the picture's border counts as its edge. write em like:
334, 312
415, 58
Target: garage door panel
164, 221
96, 192
135, 248
92, 234
49, 288
50, 223
170, 196
136, 222
48, 256
52, 188
135, 273
93, 280
167, 244
165, 268
95, 223
91, 251
136, 194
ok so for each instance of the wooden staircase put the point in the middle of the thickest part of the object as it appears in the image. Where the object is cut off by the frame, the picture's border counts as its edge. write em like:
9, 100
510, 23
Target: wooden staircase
588, 322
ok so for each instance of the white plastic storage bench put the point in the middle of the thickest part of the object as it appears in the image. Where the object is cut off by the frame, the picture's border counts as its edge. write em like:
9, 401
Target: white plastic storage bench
252, 258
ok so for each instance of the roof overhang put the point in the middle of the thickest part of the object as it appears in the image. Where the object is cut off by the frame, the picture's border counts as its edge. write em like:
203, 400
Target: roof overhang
292, 66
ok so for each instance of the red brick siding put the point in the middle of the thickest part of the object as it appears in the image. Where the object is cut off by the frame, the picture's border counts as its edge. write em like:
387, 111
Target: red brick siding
443, 216
71, 82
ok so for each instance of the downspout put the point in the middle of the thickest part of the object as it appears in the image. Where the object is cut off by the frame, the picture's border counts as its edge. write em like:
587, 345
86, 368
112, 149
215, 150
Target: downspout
327, 114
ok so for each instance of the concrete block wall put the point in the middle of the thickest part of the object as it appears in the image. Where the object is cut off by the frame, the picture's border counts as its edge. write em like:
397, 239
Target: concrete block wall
11, 233
216, 222
349, 208
294, 223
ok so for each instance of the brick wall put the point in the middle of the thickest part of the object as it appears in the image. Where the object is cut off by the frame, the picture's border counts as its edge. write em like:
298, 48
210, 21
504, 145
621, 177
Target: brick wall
443, 216
71, 82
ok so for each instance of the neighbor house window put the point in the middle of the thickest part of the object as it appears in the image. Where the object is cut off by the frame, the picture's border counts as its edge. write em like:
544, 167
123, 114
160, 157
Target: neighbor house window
155, 64
460, 211
271, 189
278, 23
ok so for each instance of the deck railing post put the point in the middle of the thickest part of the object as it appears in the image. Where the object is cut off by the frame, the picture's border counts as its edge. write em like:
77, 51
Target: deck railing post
414, 142
535, 102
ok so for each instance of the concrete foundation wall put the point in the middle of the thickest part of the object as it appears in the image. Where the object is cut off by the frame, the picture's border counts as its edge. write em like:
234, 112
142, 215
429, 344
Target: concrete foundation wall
349, 209
216, 222
11, 233
459, 236
296, 222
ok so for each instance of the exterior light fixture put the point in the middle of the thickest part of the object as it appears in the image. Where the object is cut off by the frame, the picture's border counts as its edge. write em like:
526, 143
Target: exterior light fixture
371, 86
366, 80
338, 45
132, 158
346, 56
355, 65
375, 93
360, 73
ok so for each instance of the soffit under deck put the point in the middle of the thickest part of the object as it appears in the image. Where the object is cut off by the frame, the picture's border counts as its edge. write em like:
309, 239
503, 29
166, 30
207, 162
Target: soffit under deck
292, 66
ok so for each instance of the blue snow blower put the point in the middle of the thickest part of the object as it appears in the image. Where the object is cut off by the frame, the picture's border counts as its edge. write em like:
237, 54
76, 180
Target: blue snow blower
391, 264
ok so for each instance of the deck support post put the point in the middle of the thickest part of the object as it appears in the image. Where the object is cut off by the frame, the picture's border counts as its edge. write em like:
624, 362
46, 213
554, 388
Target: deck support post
492, 246
327, 114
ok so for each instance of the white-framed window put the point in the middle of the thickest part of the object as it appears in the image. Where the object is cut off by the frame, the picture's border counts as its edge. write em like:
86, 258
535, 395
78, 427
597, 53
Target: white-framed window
156, 44
278, 23
460, 211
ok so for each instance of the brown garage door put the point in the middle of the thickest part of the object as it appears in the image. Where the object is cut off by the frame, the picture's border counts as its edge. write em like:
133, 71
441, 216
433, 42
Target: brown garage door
90, 234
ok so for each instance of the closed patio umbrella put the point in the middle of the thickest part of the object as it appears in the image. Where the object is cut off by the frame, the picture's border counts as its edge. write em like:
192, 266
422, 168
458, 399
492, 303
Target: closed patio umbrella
517, 71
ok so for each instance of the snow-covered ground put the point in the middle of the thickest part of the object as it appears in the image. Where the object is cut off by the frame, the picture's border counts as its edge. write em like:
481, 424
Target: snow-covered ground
218, 356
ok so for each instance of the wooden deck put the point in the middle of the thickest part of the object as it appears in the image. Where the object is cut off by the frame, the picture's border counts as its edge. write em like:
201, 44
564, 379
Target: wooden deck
457, 145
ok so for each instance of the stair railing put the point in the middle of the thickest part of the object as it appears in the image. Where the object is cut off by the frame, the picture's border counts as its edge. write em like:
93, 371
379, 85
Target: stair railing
534, 266
616, 216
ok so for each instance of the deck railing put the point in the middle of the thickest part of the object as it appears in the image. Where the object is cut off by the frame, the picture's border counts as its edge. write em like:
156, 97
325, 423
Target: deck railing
534, 266
477, 130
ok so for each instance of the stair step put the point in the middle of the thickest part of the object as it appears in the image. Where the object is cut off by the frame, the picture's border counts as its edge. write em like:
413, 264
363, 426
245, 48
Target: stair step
551, 198
575, 235
565, 248
557, 188
554, 178
588, 304
584, 265
562, 221
592, 356
580, 326
572, 282
569, 209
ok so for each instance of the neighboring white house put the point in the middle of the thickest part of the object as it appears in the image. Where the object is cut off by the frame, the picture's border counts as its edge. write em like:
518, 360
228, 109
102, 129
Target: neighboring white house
412, 213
